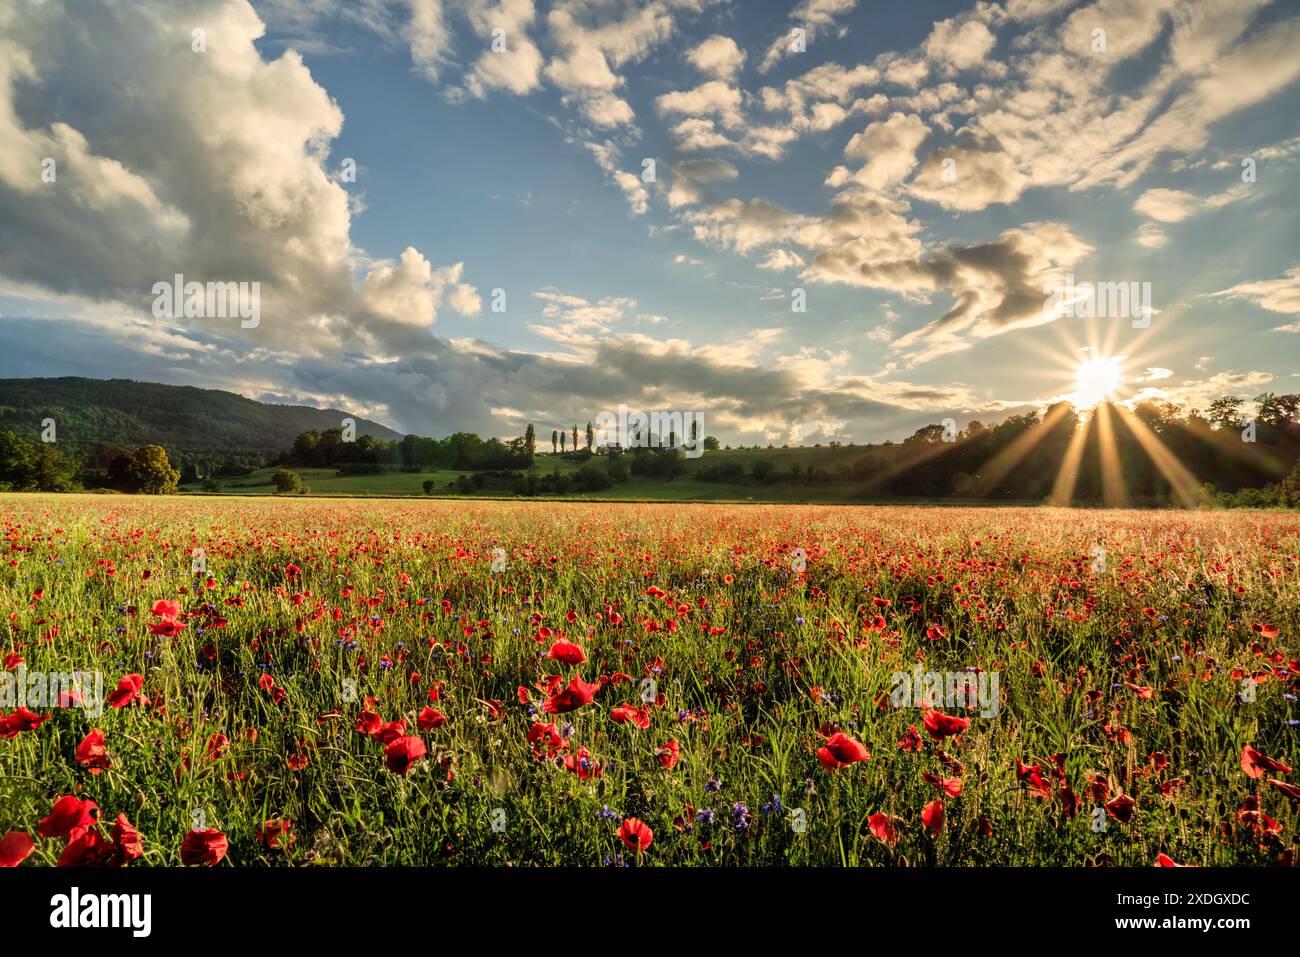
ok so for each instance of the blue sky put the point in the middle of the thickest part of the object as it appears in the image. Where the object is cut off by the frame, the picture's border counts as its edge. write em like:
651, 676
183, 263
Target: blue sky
1112, 156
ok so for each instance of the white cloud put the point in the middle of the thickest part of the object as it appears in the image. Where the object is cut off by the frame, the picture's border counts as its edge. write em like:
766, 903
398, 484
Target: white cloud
1165, 205
516, 66
959, 45
717, 56
428, 36
411, 292
888, 149
1276, 295
781, 259
814, 17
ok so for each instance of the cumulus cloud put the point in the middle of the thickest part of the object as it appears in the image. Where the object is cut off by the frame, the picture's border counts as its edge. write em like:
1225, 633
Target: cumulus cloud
1165, 205
718, 56
968, 177
1276, 295
887, 149
222, 179
996, 286
1060, 90
594, 48
429, 37
713, 98
510, 60
814, 17
959, 45
411, 291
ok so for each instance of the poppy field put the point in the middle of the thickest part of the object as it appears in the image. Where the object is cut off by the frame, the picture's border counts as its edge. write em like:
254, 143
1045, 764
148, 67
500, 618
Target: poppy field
299, 682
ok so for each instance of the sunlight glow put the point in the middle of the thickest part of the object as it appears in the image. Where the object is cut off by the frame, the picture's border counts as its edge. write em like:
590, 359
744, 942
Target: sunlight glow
1097, 380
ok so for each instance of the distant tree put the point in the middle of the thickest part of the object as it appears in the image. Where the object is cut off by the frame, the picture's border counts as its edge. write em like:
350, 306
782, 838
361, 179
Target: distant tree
144, 470
926, 433
592, 479
710, 443
591, 437
562, 438
1291, 487
1225, 412
575, 436
428, 485
210, 485
286, 481
616, 468
55, 472
555, 439
1277, 410
17, 462
530, 442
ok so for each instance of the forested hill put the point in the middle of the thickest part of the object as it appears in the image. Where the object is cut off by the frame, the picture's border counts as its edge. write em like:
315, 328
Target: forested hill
182, 419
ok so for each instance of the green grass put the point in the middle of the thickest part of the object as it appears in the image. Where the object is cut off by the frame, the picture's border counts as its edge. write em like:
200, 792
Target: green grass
327, 482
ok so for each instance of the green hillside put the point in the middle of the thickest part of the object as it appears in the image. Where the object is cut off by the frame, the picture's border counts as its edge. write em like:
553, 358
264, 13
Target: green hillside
194, 425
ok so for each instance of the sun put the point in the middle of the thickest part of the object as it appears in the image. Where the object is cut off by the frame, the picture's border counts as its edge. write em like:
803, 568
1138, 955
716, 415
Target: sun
1096, 380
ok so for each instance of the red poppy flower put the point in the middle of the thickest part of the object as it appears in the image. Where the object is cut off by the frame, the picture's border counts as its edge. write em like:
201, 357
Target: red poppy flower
669, 755
166, 608
218, 745
582, 764
1164, 860
369, 723
629, 714
14, 848
840, 751
126, 839
572, 698
882, 827
1031, 776
1120, 808
90, 849
21, 720
91, 752
940, 725
429, 719
950, 786
206, 846
1257, 764
167, 628
128, 690
402, 753
636, 834
70, 817
545, 732
932, 816
566, 652
276, 833
1290, 790
390, 731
